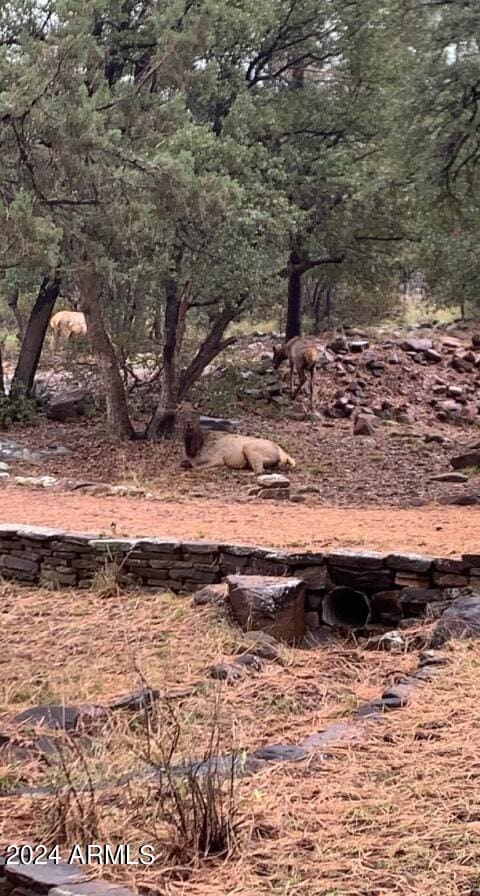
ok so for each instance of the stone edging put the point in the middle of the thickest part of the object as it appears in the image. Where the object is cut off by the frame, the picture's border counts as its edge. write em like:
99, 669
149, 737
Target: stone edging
398, 584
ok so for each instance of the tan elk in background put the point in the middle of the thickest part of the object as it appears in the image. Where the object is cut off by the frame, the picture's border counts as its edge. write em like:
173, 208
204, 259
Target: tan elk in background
65, 324
302, 356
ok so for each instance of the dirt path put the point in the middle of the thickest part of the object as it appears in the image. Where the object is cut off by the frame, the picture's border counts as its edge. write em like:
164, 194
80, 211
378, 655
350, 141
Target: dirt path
442, 531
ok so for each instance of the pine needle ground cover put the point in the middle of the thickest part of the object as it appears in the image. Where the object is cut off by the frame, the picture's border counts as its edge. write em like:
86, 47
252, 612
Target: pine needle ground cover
393, 811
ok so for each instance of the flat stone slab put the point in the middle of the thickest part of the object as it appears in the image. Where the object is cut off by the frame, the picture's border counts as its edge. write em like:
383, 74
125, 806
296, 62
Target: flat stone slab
273, 480
449, 477
338, 733
90, 888
280, 753
136, 701
356, 559
63, 717
409, 562
42, 878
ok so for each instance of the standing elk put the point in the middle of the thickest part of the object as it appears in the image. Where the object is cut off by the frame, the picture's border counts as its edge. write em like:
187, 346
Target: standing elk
302, 356
65, 324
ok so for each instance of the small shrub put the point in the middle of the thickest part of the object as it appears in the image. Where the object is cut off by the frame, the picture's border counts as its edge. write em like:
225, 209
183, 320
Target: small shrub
22, 409
107, 581
196, 799
72, 817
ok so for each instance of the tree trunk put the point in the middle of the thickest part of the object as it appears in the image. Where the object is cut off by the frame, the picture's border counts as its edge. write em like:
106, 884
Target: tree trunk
162, 424
12, 303
157, 330
117, 410
295, 298
138, 319
327, 311
32, 343
2, 377
210, 348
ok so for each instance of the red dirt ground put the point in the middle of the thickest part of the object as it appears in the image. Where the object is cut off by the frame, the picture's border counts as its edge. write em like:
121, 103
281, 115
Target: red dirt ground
436, 530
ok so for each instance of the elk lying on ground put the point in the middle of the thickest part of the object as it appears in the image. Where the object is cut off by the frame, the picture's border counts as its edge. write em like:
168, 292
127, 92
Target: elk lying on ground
302, 355
65, 324
204, 449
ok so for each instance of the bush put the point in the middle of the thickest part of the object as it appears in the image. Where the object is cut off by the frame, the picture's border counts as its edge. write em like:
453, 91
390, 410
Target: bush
22, 409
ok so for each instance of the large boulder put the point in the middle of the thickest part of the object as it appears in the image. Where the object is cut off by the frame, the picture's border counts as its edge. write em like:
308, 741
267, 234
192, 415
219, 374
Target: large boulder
271, 604
417, 345
68, 406
470, 458
460, 620
364, 425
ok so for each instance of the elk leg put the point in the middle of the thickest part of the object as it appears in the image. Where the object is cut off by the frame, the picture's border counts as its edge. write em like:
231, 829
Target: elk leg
312, 376
302, 377
254, 460
291, 380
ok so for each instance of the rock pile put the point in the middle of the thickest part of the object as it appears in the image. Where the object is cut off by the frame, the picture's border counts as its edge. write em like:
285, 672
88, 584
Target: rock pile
398, 378
272, 487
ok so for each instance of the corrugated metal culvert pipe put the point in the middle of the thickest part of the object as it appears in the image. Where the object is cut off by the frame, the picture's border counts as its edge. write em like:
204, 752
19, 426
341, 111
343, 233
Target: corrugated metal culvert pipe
346, 608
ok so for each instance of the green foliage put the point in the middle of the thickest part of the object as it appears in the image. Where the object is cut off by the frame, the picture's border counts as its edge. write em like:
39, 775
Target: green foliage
199, 144
440, 118
20, 410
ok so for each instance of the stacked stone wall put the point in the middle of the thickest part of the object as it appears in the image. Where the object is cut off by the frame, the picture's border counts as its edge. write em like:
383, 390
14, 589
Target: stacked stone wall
398, 585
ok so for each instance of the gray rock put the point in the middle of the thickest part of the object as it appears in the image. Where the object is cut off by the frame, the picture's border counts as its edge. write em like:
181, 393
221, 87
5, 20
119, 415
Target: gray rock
42, 878
69, 406
432, 658
337, 733
409, 562
20, 564
11, 451
274, 494
91, 888
468, 459
449, 477
392, 641
270, 603
460, 500
136, 701
211, 594
65, 718
358, 345
312, 620
450, 565
433, 356
260, 645
249, 661
417, 345
225, 672
273, 480
280, 753
364, 426
36, 481
371, 710
315, 577
460, 620
369, 579
356, 559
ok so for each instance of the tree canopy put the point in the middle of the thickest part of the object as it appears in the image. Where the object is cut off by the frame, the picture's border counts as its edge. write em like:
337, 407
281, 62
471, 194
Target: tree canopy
196, 160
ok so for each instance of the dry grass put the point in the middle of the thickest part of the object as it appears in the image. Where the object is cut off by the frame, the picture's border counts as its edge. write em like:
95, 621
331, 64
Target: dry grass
397, 814
394, 814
